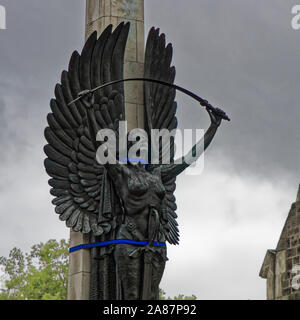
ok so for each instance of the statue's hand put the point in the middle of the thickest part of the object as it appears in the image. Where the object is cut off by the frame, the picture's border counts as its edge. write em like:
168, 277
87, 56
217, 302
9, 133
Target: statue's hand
216, 116
87, 98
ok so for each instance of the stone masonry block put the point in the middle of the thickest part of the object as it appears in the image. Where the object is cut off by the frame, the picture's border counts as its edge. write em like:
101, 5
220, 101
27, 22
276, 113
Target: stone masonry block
78, 286
134, 89
93, 10
131, 115
128, 9
80, 261
140, 41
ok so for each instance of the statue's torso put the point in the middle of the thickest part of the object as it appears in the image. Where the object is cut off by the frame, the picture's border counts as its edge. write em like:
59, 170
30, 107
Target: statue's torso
141, 191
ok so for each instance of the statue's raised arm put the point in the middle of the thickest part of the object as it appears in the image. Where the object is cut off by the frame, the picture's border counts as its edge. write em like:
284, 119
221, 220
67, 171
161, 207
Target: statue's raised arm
172, 170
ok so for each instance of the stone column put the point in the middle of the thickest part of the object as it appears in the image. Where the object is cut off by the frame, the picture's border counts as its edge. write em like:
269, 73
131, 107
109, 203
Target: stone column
79, 268
99, 14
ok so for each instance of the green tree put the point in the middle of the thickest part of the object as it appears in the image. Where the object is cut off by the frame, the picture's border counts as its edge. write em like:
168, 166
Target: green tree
162, 296
40, 275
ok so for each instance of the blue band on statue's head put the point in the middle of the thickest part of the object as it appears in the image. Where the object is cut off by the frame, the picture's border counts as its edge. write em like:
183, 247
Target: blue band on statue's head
133, 160
112, 242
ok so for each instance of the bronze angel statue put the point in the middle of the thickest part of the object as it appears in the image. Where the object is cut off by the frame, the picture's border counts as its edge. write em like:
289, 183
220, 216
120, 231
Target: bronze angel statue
128, 209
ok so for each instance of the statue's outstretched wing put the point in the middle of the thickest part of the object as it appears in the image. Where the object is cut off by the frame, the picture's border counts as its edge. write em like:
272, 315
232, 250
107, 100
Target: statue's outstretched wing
160, 111
84, 196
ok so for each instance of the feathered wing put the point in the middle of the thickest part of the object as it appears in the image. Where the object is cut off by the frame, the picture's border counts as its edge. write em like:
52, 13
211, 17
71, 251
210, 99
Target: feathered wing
160, 111
84, 196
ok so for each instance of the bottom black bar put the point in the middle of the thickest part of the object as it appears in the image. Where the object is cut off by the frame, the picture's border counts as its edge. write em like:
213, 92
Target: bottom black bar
184, 309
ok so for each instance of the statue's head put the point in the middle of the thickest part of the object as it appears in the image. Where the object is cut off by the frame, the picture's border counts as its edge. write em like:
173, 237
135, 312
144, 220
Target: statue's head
136, 150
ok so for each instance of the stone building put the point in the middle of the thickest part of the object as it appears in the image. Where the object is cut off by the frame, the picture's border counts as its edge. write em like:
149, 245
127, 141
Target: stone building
281, 267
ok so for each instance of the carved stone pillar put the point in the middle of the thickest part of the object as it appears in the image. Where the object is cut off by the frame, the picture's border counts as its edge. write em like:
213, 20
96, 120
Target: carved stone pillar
99, 14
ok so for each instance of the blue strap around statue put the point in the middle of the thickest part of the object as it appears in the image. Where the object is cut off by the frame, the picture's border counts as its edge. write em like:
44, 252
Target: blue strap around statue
112, 242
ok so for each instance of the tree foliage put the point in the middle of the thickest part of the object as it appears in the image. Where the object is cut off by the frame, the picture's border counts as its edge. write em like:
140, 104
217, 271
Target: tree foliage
40, 275
162, 296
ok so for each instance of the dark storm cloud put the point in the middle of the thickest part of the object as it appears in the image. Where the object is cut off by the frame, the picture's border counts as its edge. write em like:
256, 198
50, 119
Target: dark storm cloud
244, 56
35, 48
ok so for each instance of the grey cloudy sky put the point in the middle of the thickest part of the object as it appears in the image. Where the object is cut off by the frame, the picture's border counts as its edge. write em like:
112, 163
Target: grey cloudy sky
241, 55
